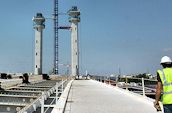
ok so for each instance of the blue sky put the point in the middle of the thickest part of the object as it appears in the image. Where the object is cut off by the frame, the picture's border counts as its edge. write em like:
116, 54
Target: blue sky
131, 35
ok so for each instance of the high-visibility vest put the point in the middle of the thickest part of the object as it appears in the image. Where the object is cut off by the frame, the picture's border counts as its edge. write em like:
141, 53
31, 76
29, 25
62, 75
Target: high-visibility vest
166, 79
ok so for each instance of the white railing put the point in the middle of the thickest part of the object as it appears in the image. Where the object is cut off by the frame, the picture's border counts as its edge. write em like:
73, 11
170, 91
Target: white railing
141, 84
39, 102
61, 103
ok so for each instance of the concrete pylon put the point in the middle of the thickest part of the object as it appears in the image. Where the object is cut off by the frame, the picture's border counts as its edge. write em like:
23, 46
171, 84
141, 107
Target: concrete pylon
38, 26
74, 18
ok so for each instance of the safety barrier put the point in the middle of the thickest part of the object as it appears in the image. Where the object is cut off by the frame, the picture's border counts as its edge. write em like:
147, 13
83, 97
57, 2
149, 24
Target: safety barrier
145, 87
39, 102
61, 103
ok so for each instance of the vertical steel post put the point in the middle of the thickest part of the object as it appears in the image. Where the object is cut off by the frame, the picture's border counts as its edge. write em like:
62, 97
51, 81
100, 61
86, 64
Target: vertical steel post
42, 103
62, 85
57, 92
126, 82
143, 86
104, 79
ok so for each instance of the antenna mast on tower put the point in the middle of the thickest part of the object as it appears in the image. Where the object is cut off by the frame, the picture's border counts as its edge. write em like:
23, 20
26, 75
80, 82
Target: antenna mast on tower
55, 36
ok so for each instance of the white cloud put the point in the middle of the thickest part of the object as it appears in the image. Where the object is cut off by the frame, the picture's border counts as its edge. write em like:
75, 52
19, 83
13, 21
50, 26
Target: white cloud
167, 49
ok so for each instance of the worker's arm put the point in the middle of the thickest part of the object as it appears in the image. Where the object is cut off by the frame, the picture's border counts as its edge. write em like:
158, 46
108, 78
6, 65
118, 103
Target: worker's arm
157, 96
158, 92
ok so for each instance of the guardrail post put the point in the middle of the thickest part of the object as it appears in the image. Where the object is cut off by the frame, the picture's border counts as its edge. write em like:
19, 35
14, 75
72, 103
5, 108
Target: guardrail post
143, 86
62, 85
57, 92
103, 79
42, 103
126, 82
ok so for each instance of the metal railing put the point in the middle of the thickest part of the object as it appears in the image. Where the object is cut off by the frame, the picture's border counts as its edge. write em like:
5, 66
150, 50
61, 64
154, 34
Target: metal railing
39, 102
143, 86
61, 103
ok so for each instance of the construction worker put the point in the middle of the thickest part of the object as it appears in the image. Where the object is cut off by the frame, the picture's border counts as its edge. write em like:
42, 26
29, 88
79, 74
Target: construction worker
25, 78
164, 86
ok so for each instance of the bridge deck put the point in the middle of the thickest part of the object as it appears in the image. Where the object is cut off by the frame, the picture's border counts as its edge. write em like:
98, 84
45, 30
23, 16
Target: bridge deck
88, 96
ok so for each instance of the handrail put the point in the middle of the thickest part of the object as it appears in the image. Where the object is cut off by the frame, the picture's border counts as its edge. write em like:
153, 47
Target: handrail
127, 85
37, 103
60, 105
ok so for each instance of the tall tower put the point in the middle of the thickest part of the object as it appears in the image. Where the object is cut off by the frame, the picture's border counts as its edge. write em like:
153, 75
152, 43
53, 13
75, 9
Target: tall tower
74, 18
38, 26
55, 37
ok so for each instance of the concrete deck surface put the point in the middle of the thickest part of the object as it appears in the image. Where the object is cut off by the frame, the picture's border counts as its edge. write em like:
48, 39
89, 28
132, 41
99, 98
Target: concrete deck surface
88, 96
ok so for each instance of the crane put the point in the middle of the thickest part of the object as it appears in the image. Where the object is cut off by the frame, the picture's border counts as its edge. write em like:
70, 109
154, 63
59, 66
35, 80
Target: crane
55, 14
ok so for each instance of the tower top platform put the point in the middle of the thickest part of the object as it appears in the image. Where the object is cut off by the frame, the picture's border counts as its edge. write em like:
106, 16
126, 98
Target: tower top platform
74, 11
39, 19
